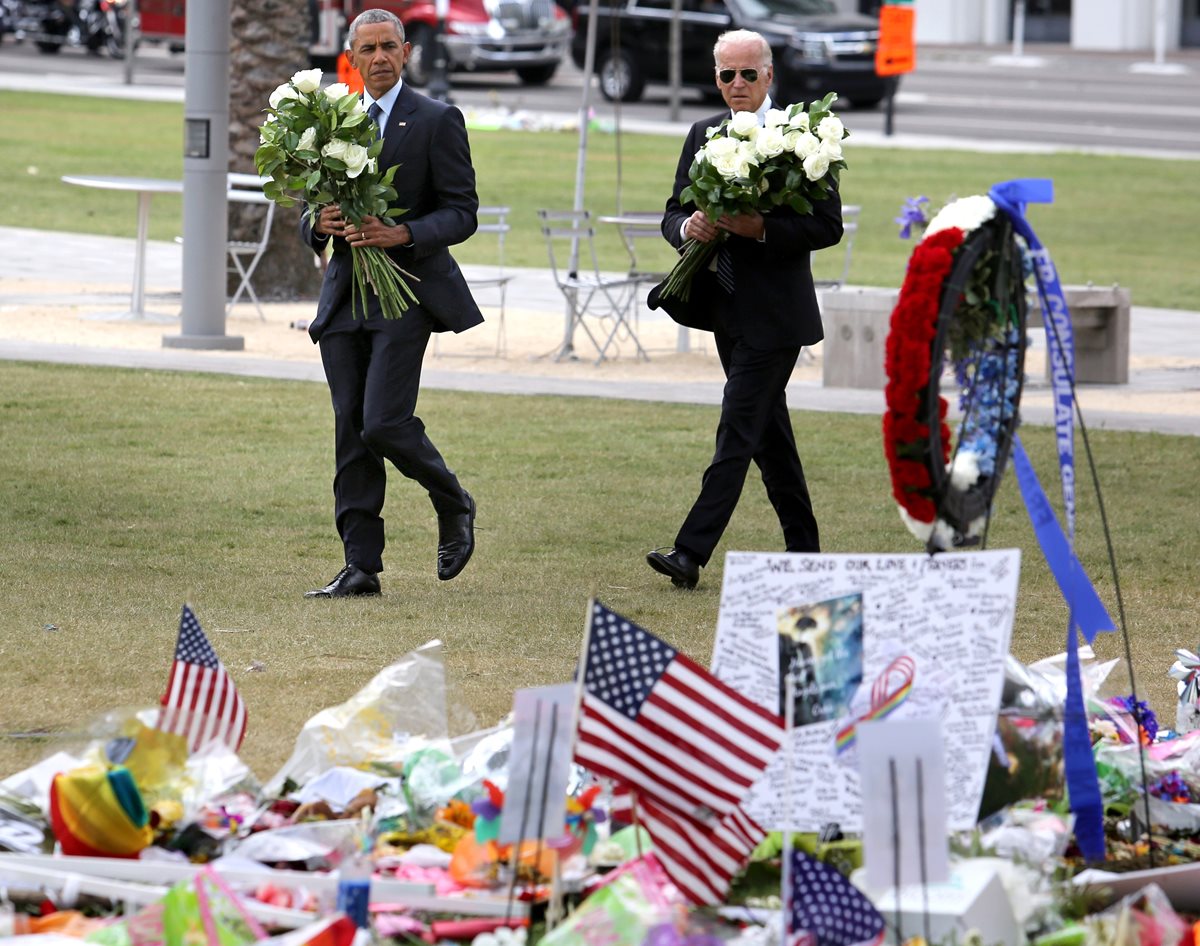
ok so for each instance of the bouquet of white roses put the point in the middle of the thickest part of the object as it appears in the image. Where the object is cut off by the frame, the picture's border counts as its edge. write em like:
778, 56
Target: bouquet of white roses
792, 161
319, 146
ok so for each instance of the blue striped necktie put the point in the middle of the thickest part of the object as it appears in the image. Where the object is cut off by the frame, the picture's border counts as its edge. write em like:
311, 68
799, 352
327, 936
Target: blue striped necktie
375, 113
725, 268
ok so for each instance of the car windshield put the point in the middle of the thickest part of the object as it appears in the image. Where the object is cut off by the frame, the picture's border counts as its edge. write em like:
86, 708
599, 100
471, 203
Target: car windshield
764, 9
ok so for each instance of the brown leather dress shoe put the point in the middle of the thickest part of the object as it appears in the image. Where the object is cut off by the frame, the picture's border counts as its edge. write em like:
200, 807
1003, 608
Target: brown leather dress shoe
350, 582
456, 541
676, 565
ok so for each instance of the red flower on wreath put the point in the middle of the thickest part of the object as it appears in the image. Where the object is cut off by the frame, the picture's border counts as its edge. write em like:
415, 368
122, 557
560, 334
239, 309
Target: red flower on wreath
908, 361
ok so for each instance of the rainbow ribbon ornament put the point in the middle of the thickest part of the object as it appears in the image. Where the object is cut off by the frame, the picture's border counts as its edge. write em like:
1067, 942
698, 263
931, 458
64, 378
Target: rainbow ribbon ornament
891, 688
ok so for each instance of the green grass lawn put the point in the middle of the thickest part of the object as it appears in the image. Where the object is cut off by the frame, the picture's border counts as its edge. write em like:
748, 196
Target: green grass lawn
1124, 220
125, 493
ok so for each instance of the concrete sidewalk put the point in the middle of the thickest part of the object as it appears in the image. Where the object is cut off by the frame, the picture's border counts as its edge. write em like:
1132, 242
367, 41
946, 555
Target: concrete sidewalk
56, 313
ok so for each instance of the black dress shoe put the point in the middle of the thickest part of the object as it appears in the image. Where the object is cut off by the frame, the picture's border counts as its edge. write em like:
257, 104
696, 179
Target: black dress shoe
676, 565
456, 541
350, 582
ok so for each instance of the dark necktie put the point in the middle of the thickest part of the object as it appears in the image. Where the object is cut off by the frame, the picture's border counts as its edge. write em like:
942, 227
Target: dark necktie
725, 268
375, 113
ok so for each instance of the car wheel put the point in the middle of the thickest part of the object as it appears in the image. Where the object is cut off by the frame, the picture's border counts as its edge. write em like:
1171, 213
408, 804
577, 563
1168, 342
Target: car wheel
620, 78
872, 102
537, 75
48, 47
419, 67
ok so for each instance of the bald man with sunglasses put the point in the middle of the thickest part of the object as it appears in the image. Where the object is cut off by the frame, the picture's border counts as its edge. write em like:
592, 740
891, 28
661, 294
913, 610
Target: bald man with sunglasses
758, 300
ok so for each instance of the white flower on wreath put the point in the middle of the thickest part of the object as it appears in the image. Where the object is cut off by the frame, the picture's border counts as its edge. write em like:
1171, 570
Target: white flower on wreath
354, 156
281, 94
308, 140
967, 213
336, 91
815, 166
744, 124
307, 80
831, 128
806, 143
775, 118
964, 470
769, 143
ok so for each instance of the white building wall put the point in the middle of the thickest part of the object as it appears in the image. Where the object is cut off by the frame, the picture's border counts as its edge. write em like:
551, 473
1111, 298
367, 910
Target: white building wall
1095, 24
1122, 24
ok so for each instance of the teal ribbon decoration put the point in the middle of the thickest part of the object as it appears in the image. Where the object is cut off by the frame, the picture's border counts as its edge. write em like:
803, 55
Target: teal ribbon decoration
1085, 609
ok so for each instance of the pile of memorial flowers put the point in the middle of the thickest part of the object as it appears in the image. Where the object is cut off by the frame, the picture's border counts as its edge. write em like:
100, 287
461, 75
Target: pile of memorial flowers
425, 809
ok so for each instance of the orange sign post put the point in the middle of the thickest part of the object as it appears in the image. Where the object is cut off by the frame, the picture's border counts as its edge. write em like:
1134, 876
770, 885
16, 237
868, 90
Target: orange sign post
897, 51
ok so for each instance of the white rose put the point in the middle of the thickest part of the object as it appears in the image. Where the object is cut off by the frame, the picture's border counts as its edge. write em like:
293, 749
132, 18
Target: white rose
789, 141
799, 121
815, 166
281, 94
776, 118
352, 155
831, 128
806, 145
717, 147
746, 152
727, 165
307, 80
769, 143
967, 214
743, 167
744, 123
337, 90
831, 149
308, 140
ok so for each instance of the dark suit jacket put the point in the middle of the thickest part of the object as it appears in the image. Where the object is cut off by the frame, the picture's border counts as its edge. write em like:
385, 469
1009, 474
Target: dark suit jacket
775, 304
435, 183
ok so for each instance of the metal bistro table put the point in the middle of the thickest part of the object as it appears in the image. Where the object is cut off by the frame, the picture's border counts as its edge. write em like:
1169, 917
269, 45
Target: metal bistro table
634, 225
145, 188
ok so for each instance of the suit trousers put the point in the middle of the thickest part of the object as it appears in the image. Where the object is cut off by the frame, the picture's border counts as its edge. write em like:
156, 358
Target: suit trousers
754, 425
373, 367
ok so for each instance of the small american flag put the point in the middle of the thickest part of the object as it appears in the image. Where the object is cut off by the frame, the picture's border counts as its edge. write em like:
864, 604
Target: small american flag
688, 744
827, 909
201, 702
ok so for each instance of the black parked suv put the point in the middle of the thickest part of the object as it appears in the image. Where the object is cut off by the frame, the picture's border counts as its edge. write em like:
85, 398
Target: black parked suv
816, 48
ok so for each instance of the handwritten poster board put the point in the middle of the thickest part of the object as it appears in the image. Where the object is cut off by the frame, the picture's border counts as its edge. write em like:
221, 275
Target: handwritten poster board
934, 635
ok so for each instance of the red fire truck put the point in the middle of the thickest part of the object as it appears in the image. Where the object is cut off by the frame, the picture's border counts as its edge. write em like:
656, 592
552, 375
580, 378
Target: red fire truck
527, 36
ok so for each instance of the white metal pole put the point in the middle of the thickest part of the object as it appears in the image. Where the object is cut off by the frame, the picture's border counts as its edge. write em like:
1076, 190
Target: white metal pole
1160, 32
1018, 28
205, 170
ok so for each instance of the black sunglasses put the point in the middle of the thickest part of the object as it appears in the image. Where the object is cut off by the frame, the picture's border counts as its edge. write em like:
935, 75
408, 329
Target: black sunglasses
727, 75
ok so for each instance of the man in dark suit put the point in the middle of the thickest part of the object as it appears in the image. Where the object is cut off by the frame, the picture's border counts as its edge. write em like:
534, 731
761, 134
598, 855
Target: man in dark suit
372, 364
759, 301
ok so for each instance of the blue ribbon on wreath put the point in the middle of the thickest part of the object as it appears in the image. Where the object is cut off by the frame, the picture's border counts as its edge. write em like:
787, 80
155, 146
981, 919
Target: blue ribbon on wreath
1085, 609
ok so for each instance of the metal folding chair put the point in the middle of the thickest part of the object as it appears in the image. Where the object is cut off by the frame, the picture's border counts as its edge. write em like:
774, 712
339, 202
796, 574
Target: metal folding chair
244, 255
492, 220
590, 294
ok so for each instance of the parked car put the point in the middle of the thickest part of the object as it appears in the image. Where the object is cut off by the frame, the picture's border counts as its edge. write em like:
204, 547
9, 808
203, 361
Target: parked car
529, 37
816, 49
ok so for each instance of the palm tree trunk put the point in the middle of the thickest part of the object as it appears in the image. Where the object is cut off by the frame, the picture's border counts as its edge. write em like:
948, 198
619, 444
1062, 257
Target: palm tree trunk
269, 42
